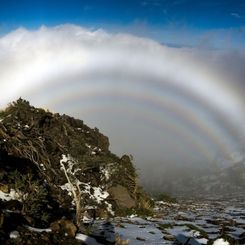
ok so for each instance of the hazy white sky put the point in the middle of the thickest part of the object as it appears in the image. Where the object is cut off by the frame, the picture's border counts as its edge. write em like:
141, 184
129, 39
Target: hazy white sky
163, 105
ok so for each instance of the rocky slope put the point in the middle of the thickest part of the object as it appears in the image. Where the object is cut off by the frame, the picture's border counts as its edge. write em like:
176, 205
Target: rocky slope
210, 182
223, 182
54, 166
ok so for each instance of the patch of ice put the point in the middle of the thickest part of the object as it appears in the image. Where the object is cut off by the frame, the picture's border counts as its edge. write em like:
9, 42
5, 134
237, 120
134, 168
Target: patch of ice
221, 241
26, 126
202, 240
130, 232
14, 234
87, 239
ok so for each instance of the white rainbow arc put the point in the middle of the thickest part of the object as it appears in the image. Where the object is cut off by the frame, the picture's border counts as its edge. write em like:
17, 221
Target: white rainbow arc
97, 72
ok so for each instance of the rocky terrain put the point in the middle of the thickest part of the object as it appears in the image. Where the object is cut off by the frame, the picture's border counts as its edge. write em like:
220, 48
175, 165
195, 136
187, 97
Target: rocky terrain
189, 222
225, 182
56, 172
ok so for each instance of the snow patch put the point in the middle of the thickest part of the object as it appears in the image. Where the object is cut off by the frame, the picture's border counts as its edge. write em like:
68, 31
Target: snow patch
105, 172
14, 234
99, 195
221, 241
87, 239
202, 240
71, 163
37, 229
67, 187
109, 208
13, 195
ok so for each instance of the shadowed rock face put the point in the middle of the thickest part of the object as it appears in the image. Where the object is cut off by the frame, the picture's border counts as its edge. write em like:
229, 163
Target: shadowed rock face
121, 196
44, 157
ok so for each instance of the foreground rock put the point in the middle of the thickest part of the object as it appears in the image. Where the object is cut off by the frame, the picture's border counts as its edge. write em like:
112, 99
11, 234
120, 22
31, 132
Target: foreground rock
54, 166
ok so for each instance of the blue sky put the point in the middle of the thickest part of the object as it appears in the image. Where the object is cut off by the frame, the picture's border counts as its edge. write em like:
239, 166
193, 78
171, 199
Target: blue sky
211, 23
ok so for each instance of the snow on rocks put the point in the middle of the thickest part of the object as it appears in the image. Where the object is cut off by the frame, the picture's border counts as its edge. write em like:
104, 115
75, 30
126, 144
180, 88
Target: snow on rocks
42, 166
70, 169
94, 193
220, 241
99, 195
30, 228
67, 187
14, 234
109, 208
12, 195
105, 173
94, 150
26, 126
88, 146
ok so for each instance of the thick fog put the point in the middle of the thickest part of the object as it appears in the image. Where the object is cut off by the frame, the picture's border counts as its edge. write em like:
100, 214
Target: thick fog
171, 108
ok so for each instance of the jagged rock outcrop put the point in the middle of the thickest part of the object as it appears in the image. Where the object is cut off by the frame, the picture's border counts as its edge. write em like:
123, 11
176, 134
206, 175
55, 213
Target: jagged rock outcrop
53, 165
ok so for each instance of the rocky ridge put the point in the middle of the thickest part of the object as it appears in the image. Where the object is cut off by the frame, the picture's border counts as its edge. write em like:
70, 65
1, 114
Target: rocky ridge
54, 166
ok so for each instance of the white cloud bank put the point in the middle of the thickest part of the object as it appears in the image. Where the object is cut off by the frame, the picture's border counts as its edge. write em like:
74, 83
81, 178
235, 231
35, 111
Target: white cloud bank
156, 102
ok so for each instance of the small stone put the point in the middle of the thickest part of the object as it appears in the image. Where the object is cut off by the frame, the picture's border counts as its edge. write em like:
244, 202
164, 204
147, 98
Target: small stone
140, 239
169, 238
